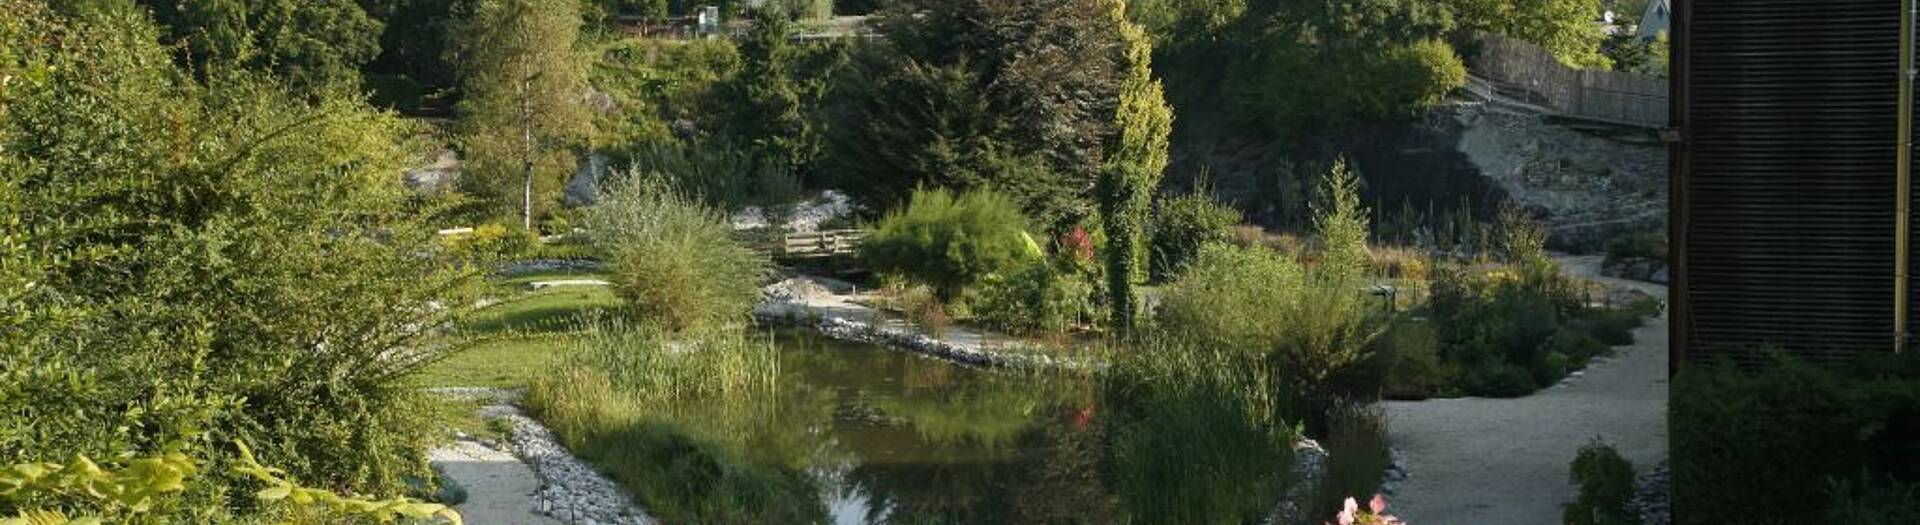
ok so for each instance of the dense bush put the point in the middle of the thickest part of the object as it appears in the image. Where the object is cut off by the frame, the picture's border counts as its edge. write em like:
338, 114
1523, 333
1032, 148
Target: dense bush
1641, 245
1758, 443
183, 264
950, 243
1181, 225
673, 260
1041, 298
1050, 296
1606, 483
1308, 334
1414, 367
1496, 325
1344, 63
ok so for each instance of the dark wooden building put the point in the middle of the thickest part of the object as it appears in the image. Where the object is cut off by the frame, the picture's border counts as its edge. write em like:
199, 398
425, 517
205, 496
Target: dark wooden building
1790, 185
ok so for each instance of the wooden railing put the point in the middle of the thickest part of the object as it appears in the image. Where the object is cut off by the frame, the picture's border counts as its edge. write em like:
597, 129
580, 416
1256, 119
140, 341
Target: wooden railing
826, 243
1529, 73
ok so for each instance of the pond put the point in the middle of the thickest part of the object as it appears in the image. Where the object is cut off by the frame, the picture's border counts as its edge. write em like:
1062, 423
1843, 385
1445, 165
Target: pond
859, 434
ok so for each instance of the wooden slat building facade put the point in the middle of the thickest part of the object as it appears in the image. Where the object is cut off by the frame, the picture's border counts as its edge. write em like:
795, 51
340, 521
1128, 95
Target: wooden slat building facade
1784, 189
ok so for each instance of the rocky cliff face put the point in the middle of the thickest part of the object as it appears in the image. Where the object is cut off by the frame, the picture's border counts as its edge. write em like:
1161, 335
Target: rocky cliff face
1587, 186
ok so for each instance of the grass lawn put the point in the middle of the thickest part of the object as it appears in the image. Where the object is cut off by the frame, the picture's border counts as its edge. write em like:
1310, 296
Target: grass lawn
507, 362
547, 311
523, 335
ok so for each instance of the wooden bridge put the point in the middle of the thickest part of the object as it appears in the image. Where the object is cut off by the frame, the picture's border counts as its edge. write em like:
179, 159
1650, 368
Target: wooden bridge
825, 243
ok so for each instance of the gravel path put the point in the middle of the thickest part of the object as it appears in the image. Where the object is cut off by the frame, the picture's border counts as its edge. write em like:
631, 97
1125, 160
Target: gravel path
499, 487
1504, 461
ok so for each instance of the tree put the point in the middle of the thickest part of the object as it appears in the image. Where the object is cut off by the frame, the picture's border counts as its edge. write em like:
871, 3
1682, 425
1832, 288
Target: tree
413, 48
523, 107
1017, 95
310, 43
1339, 62
1135, 160
1341, 222
1568, 28
765, 102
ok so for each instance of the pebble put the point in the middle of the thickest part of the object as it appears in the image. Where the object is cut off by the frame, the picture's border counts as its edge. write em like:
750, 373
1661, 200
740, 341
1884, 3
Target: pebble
570, 491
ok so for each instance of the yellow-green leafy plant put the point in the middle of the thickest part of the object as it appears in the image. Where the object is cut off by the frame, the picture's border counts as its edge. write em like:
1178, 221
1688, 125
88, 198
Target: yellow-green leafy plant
140, 486
311, 504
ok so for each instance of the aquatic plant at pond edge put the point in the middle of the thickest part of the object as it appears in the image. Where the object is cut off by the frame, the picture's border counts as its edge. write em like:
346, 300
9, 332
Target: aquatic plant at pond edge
1169, 471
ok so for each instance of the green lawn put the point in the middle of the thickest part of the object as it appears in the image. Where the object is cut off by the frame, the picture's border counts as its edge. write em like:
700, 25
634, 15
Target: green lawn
510, 362
547, 311
522, 336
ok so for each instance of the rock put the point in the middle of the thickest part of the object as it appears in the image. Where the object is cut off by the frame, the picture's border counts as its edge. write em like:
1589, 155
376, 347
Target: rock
584, 188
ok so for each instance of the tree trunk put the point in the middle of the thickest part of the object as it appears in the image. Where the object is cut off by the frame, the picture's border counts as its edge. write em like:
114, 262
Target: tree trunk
526, 157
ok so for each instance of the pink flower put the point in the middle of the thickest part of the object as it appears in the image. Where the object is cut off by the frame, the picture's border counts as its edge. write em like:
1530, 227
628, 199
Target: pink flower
1379, 504
1347, 513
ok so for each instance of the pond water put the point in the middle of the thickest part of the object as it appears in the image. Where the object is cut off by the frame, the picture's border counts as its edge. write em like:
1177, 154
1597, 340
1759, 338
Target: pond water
859, 434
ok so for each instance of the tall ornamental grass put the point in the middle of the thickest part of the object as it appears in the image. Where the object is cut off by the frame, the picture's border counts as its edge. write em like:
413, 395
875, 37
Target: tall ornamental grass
674, 260
668, 414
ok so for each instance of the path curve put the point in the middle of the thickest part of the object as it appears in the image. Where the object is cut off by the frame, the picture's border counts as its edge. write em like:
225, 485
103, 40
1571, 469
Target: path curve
1480, 461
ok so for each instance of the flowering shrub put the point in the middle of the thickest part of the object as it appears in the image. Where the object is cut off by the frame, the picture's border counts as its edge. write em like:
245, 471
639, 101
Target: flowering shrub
1374, 514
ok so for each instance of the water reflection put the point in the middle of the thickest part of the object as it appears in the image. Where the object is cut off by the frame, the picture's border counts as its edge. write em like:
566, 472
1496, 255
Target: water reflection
889, 438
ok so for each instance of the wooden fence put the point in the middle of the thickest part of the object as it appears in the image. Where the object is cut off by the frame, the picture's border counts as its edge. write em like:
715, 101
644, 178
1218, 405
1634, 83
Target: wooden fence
1530, 72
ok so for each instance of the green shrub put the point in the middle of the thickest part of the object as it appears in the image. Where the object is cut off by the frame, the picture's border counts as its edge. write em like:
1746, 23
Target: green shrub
674, 260
556, 224
1512, 329
1310, 333
1609, 327
1181, 225
1044, 297
1752, 443
1356, 445
1867, 500
183, 262
1641, 245
1415, 370
950, 243
1606, 483
918, 304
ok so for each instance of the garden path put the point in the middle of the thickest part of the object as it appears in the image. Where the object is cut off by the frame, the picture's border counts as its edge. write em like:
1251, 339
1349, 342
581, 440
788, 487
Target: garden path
499, 487
1486, 461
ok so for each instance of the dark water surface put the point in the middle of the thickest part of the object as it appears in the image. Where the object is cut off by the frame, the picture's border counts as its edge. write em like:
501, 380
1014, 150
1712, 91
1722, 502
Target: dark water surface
885, 437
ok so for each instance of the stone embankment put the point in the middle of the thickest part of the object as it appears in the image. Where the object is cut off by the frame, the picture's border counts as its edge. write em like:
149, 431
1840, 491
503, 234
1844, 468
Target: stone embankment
530, 477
